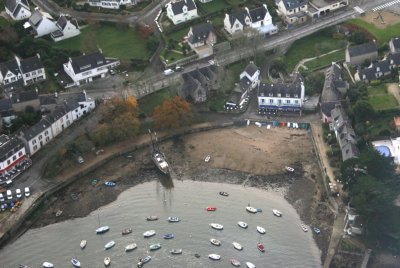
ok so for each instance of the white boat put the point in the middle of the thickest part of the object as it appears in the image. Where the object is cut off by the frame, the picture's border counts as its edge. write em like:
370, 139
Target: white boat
83, 244
107, 261
289, 169
215, 242
305, 229
277, 213
260, 230
217, 226
75, 263
242, 224
237, 245
173, 219
250, 265
176, 251
149, 233
207, 159
130, 247
48, 264
109, 245
251, 209
214, 257
102, 229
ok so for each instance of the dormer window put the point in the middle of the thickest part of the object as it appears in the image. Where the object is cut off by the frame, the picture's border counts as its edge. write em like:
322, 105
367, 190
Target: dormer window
378, 69
296, 96
271, 94
279, 94
287, 95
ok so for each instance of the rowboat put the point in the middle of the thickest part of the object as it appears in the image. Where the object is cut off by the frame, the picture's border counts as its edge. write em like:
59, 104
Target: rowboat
250, 265
75, 263
197, 255
224, 193
215, 242
142, 261
259, 210
83, 244
237, 246
102, 229
304, 227
251, 209
289, 169
235, 262
173, 219
109, 245
211, 208
130, 247
207, 159
217, 226
176, 251
277, 213
107, 261
48, 264
260, 247
155, 246
168, 236
260, 230
214, 257
109, 183
152, 218
126, 231
149, 233
242, 224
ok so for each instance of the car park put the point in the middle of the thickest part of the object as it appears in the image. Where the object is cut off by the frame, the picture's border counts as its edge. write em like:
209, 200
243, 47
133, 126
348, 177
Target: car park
27, 192
9, 195
18, 193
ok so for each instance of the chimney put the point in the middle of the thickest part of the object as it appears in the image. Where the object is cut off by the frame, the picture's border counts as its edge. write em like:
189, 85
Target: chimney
38, 55
36, 89
56, 94
101, 51
69, 59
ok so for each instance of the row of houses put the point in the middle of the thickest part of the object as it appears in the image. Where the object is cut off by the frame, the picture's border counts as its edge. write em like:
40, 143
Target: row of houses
111, 4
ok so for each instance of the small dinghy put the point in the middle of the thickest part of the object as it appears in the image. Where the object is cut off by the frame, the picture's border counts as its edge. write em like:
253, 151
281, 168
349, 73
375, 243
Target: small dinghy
207, 159
155, 246
211, 208
277, 213
143, 261
176, 251
260, 247
102, 229
109, 245
168, 236
83, 244
107, 261
151, 218
250, 265
75, 263
126, 231
23, 266
289, 169
109, 183
259, 210
197, 255
242, 224
173, 219
217, 226
305, 229
237, 246
251, 209
260, 230
215, 242
130, 247
224, 193
149, 233
214, 257
235, 262
48, 264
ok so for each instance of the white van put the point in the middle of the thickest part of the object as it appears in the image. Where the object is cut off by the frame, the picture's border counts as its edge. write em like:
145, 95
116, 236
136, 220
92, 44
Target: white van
18, 193
27, 192
9, 194
168, 72
1, 197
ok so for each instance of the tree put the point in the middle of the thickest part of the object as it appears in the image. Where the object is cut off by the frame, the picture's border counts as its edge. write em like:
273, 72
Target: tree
363, 111
314, 82
359, 37
152, 44
172, 113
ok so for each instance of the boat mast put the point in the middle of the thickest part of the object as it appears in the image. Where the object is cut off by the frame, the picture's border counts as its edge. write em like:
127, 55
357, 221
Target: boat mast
151, 138
155, 135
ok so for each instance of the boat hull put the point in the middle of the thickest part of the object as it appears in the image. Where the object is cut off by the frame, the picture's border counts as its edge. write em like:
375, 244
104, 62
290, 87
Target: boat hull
154, 159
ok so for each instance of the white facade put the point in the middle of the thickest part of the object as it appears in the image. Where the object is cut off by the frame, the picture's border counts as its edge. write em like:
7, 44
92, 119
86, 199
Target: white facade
42, 23
253, 79
287, 11
12, 152
181, 11
321, 7
18, 9
9, 77
111, 4
235, 25
283, 98
67, 28
37, 136
28, 70
58, 124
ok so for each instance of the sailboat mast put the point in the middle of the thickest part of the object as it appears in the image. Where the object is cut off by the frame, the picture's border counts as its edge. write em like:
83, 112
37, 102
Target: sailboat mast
151, 138
155, 134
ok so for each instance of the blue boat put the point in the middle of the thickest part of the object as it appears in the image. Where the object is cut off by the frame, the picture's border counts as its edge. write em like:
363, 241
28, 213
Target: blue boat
168, 236
316, 230
109, 183
74, 197
259, 210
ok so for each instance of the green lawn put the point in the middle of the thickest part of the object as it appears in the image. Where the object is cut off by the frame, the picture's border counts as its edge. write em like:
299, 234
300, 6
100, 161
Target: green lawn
214, 5
4, 22
309, 47
378, 125
325, 60
218, 21
383, 35
380, 99
179, 35
115, 42
148, 103
172, 56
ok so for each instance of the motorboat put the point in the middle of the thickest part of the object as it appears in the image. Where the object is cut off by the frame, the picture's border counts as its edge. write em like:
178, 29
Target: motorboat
259, 210
217, 226
155, 246
147, 259
237, 245
126, 231
277, 213
151, 218
107, 261
207, 159
214, 257
260, 247
110, 183
260, 230
48, 264
149, 233
250, 265
242, 224
143, 261
211, 208
75, 263
130, 247
168, 236
109, 245
83, 244
23, 266
176, 251
224, 193
173, 219
102, 229
235, 262
316, 230
305, 229
251, 209
289, 169
158, 157
215, 242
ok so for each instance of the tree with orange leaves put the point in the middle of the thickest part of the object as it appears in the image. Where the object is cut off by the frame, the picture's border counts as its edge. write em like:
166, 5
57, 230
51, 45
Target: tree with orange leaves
172, 113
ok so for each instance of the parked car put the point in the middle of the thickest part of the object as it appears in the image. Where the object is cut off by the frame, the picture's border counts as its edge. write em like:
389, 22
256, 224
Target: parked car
9, 195
18, 193
1, 198
80, 159
178, 69
8, 184
168, 72
27, 192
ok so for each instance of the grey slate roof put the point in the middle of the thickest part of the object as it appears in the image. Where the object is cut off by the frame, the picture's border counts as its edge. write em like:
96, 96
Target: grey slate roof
35, 18
291, 4
265, 89
362, 49
11, 66
235, 97
240, 16
5, 105
200, 33
31, 64
251, 69
11, 5
394, 59
71, 105
396, 43
24, 96
334, 88
9, 146
56, 114
33, 131
87, 62
373, 72
197, 78
47, 100
327, 107
177, 7
245, 83
257, 14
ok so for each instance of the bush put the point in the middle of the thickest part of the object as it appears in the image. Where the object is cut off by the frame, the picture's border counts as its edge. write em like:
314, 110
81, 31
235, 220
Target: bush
385, 132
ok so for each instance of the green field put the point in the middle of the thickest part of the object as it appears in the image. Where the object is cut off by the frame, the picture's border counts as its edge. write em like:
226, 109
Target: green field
148, 103
4, 22
114, 41
382, 35
214, 5
380, 99
325, 60
179, 35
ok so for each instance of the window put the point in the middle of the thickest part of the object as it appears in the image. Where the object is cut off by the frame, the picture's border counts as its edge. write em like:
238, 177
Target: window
27, 75
14, 158
287, 95
33, 73
34, 141
35, 148
296, 101
66, 117
46, 133
62, 120
287, 101
296, 96
47, 139
262, 100
237, 25
271, 94
271, 101
19, 153
8, 162
39, 71
279, 94
40, 137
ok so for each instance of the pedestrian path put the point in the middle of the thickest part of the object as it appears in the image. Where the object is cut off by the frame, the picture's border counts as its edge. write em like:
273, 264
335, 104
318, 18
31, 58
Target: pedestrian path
386, 5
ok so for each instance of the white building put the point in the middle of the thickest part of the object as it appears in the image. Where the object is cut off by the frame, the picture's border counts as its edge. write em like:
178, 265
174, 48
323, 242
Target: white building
112, 4
12, 152
59, 119
318, 8
37, 136
42, 23
181, 11
292, 11
80, 105
67, 27
252, 73
18, 9
85, 68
